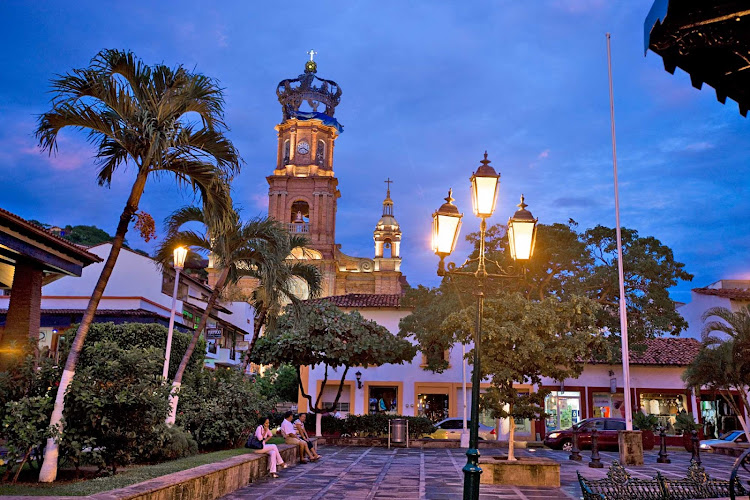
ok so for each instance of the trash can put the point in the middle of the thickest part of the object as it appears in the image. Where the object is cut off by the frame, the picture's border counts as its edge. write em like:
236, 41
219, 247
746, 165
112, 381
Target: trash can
398, 431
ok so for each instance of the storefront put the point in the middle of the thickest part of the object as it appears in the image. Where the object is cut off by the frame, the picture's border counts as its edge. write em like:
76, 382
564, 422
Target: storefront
717, 416
665, 406
383, 398
607, 405
563, 409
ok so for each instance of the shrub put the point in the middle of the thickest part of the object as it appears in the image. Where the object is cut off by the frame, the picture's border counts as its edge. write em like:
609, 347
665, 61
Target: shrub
217, 407
25, 427
645, 422
685, 423
173, 443
279, 383
116, 403
142, 335
373, 425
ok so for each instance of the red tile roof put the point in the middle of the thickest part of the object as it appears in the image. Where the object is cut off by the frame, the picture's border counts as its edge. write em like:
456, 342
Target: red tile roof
664, 352
728, 293
362, 300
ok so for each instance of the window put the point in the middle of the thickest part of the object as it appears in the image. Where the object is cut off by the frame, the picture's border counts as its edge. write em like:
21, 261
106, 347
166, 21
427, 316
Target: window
300, 213
614, 425
563, 409
665, 407
453, 424
433, 406
383, 399
287, 149
320, 153
343, 407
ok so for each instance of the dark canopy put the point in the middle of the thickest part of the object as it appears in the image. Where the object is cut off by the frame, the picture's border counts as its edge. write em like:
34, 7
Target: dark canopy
708, 39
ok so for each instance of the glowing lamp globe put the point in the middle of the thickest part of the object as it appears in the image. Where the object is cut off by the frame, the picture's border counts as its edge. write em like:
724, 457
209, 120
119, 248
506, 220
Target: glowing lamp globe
180, 253
446, 225
522, 233
484, 183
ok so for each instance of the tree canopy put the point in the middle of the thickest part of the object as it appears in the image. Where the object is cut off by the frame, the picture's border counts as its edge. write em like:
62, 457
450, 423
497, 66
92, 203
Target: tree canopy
321, 334
566, 264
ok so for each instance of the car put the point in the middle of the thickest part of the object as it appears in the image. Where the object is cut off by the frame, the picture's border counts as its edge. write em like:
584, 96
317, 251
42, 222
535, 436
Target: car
729, 437
451, 428
607, 429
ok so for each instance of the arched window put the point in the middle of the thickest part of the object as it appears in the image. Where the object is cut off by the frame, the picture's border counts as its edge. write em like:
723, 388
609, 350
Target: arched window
300, 212
320, 153
287, 151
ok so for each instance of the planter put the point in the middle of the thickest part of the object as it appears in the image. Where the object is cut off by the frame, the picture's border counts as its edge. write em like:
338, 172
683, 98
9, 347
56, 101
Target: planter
521, 472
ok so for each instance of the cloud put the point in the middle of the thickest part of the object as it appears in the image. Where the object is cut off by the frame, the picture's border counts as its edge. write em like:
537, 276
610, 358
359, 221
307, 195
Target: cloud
699, 146
685, 144
544, 154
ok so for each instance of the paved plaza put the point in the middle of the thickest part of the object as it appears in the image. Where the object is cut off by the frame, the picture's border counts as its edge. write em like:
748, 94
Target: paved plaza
435, 474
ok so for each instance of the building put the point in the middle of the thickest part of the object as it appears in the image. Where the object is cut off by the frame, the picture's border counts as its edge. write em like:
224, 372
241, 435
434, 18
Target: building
139, 291
30, 257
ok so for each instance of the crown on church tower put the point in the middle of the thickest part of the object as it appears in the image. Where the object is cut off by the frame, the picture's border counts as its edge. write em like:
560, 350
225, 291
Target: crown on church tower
309, 88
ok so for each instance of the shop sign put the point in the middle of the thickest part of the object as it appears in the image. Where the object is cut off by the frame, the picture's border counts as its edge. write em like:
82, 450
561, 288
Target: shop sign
601, 400
213, 333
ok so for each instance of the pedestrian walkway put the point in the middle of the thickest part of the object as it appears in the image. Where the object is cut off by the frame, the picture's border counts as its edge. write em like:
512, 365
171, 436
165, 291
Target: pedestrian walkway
435, 474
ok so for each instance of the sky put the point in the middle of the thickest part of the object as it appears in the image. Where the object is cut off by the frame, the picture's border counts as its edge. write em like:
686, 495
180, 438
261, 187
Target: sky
427, 88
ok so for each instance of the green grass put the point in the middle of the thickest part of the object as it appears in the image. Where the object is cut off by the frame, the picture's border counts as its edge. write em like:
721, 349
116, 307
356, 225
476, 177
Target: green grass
125, 478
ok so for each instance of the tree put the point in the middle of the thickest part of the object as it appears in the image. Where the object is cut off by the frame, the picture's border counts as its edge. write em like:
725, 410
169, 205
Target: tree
86, 235
321, 334
723, 364
138, 116
524, 341
238, 249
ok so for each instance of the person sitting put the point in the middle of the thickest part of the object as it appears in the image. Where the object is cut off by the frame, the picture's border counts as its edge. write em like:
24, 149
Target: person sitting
299, 425
291, 437
263, 433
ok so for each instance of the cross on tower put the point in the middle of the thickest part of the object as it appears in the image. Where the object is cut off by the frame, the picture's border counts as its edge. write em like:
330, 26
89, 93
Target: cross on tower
312, 53
389, 182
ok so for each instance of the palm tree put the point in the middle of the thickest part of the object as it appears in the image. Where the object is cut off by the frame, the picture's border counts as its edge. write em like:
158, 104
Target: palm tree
239, 250
277, 276
137, 116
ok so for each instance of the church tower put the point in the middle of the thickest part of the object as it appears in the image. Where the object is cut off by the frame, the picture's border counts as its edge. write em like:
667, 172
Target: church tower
387, 237
303, 189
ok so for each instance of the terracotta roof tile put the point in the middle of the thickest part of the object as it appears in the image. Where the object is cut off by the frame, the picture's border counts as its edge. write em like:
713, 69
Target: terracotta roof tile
729, 293
664, 352
362, 300
99, 312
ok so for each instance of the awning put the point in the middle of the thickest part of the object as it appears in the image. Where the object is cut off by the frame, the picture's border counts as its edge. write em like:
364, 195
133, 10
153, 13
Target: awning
709, 40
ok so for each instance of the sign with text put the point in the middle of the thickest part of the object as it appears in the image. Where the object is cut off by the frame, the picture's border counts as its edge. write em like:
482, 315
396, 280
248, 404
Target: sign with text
213, 333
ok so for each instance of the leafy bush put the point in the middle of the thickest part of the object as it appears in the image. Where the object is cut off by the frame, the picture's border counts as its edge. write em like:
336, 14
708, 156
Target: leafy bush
217, 407
645, 422
174, 442
116, 403
373, 424
685, 423
142, 335
279, 383
25, 427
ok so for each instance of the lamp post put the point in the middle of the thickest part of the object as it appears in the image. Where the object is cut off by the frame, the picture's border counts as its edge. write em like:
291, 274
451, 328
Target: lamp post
179, 263
446, 225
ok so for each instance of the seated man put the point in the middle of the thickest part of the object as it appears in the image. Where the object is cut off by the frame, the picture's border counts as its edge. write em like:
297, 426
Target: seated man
291, 437
299, 425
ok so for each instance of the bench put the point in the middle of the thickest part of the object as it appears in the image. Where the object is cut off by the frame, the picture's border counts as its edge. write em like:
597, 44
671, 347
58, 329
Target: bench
619, 485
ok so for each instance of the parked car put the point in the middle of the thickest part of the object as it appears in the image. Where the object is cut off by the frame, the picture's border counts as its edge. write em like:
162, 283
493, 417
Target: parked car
451, 428
607, 435
729, 437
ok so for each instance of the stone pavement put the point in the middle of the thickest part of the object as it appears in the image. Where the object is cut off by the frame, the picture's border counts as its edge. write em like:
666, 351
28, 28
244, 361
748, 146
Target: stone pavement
435, 474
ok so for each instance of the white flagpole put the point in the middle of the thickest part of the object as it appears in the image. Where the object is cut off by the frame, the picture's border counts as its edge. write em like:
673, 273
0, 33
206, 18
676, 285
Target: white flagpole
623, 305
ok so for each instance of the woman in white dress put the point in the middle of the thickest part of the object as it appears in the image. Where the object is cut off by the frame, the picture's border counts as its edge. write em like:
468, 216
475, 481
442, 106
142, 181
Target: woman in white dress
263, 433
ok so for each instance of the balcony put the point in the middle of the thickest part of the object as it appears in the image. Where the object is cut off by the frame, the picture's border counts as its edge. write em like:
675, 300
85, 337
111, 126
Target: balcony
298, 227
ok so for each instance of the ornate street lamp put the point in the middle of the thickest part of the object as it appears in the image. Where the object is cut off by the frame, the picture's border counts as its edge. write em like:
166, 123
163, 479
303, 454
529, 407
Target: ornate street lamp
180, 253
446, 225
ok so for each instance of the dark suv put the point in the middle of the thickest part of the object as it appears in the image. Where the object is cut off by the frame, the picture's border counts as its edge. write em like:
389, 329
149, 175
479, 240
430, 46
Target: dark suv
607, 432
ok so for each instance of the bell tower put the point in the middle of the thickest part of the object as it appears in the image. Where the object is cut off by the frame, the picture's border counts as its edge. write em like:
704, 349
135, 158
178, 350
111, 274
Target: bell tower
387, 236
303, 190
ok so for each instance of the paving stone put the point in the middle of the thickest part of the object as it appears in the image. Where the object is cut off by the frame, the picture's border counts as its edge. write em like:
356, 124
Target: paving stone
435, 474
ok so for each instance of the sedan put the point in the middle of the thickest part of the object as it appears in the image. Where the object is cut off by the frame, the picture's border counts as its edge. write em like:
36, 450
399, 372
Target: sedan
728, 438
451, 428
607, 429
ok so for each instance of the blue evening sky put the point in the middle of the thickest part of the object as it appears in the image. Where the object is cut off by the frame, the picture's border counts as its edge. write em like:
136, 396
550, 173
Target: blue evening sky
427, 87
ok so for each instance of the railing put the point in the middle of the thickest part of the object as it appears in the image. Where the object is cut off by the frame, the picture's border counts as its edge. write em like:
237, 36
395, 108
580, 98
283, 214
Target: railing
298, 227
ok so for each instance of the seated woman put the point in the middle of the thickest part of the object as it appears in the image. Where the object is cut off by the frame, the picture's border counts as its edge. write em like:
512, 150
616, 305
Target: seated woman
263, 433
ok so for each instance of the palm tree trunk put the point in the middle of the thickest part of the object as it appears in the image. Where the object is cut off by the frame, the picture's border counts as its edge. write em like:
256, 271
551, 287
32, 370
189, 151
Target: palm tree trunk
177, 382
51, 451
257, 325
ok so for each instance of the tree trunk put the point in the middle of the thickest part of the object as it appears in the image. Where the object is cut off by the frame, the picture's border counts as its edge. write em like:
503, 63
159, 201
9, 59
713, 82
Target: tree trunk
257, 325
318, 424
511, 437
177, 382
51, 451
